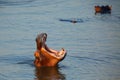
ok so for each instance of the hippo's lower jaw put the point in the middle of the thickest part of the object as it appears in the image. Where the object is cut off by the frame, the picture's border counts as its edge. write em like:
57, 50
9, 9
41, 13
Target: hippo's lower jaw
49, 57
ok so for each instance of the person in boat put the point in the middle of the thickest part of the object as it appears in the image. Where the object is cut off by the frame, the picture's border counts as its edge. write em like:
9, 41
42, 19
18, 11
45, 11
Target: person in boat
45, 56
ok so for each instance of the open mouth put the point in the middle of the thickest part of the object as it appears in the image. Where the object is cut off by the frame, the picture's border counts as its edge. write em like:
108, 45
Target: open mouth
54, 53
45, 56
46, 51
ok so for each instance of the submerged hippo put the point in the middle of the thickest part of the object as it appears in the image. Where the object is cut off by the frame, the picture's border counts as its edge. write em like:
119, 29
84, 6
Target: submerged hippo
45, 56
103, 9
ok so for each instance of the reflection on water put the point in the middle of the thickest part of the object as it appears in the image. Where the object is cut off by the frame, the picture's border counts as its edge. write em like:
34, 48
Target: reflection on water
48, 73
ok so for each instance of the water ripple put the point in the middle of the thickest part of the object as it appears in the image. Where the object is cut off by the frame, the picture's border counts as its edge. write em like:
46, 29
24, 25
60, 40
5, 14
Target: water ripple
14, 2
92, 59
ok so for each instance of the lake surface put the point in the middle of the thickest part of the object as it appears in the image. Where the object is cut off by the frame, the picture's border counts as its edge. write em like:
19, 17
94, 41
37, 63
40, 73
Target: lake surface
92, 44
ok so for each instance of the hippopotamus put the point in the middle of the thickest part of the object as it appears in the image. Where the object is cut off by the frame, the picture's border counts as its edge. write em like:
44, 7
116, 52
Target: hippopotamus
103, 9
45, 56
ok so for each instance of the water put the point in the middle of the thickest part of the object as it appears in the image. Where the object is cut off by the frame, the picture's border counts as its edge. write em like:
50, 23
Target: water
92, 44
